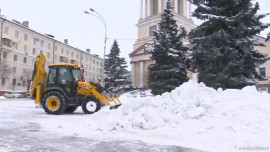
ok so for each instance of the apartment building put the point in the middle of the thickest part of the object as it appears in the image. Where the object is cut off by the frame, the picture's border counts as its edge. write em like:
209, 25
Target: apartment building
19, 46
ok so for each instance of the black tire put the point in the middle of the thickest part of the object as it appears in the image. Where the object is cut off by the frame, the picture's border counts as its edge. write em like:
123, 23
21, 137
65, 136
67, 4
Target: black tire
90, 105
54, 103
71, 109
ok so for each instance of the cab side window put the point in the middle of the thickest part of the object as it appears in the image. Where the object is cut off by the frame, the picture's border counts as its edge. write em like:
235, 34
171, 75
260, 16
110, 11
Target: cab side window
52, 76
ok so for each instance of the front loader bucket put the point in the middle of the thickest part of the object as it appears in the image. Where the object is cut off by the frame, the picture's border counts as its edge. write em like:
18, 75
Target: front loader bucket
115, 106
114, 102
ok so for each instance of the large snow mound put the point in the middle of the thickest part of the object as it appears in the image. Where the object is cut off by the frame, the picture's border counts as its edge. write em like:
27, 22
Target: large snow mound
192, 115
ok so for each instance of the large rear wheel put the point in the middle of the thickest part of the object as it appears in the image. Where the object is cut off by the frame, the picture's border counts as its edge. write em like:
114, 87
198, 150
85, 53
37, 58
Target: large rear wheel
90, 105
54, 103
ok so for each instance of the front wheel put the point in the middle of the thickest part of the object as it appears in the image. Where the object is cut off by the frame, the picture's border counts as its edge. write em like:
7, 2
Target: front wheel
90, 105
54, 103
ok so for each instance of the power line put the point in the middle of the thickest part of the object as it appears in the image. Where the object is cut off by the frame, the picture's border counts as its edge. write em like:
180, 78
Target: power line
122, 39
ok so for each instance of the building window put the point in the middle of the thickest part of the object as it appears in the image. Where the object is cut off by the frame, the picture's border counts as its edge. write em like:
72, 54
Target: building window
24, 70
55, 47
3, 81
49, 46
67, 52
41, 43
48, 55
4, 55
155, 7
24, 83
14, 69
24, 60
41, 52
6, 30
19, 84
152, 29
25, 48
15, 45
34, 51
15, 57
13, 82
35, 40
97, 62
25, 37
17, 34
62, 50
77, 56
71, 54
55, 57
262, 72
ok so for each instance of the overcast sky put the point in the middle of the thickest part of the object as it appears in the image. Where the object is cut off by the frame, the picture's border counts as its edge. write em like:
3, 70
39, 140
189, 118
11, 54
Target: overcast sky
65, 19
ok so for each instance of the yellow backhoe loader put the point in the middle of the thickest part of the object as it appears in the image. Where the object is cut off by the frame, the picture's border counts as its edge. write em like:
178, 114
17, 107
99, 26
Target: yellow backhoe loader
64, 89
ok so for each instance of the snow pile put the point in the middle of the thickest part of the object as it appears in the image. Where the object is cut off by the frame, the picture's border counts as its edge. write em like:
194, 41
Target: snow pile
192, 115
2, 97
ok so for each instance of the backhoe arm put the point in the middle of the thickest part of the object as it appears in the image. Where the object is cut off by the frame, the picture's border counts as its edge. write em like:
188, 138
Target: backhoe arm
39, 78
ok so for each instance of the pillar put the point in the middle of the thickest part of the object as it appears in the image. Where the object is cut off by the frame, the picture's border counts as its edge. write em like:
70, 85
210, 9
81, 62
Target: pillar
176, 6
141, 13
159, 6
148, 8
141, 74
184, 8
132, 74
190, 10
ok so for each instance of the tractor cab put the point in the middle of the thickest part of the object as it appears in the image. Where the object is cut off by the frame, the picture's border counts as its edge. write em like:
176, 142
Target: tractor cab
64, 77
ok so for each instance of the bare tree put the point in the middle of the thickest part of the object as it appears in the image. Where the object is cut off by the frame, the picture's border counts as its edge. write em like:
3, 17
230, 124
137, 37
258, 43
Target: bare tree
5, 71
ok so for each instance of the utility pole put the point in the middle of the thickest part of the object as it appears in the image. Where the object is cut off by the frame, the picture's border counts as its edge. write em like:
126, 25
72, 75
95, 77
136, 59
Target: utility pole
1, 43
105, 41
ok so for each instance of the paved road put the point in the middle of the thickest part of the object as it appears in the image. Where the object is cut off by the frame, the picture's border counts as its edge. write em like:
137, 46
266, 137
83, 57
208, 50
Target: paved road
17, 134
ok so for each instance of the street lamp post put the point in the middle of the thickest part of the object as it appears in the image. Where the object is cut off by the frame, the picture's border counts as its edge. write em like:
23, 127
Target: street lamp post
105, 41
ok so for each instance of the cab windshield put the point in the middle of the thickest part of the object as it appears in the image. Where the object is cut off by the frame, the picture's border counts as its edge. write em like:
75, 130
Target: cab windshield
77, 74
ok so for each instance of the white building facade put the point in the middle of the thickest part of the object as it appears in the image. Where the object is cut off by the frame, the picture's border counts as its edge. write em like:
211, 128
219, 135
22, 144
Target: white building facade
150, 16
19, 47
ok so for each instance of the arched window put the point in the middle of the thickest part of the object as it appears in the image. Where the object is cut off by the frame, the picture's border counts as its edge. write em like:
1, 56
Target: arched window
152, 29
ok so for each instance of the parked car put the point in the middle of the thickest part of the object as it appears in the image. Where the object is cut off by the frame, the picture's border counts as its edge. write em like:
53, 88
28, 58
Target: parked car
13, 95
24, 94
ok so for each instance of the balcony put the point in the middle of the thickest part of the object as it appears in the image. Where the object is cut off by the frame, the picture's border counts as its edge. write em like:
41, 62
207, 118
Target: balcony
7, 45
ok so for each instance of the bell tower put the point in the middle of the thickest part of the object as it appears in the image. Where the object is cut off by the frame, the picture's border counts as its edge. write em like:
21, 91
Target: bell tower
150, 16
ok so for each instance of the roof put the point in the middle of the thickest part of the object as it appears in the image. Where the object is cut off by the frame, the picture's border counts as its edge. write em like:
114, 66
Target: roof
4, 19
65, 64
139, 51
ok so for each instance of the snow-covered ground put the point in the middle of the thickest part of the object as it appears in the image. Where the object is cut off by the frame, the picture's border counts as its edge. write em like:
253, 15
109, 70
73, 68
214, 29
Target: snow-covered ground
192, 116
2, 97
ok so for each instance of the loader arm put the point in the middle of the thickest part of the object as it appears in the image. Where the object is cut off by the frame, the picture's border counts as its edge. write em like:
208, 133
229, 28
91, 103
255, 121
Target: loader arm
39, 78
86, 89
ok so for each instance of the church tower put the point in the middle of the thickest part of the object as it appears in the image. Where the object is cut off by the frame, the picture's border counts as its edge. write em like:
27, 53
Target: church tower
150, 16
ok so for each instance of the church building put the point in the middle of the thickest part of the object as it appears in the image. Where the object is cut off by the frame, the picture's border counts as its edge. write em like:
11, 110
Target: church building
150, 16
